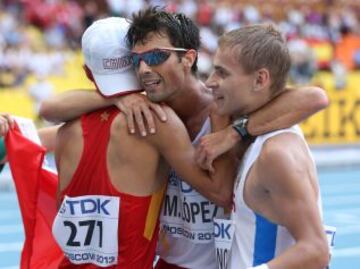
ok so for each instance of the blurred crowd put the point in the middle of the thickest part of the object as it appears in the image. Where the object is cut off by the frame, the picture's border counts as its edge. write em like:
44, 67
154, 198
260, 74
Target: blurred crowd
36, 36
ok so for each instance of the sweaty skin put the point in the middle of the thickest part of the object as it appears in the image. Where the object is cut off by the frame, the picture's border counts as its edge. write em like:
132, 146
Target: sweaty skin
146, 160
281, 185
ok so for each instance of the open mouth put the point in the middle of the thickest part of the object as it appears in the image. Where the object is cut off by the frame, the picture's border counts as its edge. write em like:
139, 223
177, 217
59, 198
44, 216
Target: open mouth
151, 83
218, 98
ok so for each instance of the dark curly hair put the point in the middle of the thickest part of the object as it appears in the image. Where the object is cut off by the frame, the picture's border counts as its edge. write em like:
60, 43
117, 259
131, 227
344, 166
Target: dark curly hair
182, 31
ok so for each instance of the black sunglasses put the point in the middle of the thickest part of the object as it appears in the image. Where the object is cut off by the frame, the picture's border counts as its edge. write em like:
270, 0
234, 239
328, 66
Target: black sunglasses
153, 57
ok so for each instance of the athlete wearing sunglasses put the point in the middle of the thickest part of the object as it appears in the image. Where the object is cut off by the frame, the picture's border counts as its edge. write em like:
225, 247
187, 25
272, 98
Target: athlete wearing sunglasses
154, 56
176, 84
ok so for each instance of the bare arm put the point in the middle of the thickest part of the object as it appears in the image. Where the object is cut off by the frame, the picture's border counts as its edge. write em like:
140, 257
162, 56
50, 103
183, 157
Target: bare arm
289, 108
6, 122
72, 104
173, 142
48, 137
287, 174
61, 139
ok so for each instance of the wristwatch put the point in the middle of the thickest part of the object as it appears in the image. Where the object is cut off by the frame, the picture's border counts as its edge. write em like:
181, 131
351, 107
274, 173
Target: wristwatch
240, 126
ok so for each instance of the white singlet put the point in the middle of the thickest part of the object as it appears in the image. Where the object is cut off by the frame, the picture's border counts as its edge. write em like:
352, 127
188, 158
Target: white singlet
186, 223
257, 240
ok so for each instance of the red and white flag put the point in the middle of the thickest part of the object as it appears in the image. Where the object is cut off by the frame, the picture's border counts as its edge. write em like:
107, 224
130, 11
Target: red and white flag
36, 191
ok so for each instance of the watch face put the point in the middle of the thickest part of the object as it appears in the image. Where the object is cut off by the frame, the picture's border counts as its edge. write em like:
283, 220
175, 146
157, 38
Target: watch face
240, 126
241, 122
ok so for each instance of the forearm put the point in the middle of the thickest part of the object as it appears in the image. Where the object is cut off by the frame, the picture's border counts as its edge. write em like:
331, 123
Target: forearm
72, 104
289, 108
314, 255
221, 182
48, 137
216, 186
219, 187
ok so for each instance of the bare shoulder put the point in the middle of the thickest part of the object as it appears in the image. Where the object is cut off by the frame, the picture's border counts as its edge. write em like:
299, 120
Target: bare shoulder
69, 138
170, 134
283, 147
119, 123
173, 120
170, 113
282, 157
68, 142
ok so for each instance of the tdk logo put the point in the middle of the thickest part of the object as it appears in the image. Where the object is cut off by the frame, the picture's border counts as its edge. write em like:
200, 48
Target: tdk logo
62, 209
88, 206
222, 230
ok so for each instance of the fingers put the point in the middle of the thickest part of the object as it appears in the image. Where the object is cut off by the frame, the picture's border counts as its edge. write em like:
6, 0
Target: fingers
200, 157
208, 162
204, 154
138, 111
159, 111
211, 146
210, 167
205, 160
139, 121
130, 120
129, 116
6, 122
149, 117
10, 120
4, 128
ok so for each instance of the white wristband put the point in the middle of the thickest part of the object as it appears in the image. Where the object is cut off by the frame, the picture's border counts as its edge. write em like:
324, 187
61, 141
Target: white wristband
262, 266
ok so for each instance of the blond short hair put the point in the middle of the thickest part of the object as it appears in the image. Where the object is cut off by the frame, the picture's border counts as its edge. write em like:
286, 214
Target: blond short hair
260, 46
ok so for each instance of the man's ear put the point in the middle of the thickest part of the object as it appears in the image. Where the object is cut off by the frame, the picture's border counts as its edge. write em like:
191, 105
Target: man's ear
189, 58
262, 79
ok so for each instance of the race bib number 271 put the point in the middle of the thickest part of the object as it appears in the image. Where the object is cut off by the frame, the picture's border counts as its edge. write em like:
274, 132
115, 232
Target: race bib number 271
86, 228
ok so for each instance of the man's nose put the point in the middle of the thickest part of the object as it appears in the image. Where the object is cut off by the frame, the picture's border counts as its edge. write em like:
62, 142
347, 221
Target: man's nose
143, 67
211, 82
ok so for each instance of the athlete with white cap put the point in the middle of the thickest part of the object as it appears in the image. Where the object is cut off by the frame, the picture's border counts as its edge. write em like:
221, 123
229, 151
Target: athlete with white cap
111, 183
170, 76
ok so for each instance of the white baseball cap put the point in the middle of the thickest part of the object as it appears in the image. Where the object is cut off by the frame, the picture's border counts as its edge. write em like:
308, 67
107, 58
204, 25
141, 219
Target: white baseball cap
107, 57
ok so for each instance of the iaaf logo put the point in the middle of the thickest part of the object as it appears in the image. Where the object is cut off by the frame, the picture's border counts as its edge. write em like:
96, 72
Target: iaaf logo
117, 63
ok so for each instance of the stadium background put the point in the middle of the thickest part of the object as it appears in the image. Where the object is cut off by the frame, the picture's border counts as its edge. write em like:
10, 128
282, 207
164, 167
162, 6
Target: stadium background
40, 56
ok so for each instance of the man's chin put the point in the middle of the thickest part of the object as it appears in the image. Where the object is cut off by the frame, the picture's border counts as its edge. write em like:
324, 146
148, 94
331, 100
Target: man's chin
220, 110
155, 98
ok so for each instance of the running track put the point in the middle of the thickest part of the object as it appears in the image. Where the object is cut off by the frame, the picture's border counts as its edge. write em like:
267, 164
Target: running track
341, 200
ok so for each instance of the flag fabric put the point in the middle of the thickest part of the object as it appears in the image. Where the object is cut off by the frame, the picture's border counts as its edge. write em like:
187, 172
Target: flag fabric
36, 191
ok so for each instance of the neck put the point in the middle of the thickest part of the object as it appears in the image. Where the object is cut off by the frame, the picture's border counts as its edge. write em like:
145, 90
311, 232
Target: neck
192, 100
192, 105
254, 105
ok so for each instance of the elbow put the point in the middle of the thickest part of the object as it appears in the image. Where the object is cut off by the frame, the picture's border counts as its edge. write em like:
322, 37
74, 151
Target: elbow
322, 254
46, 111
318, 253
318, 99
